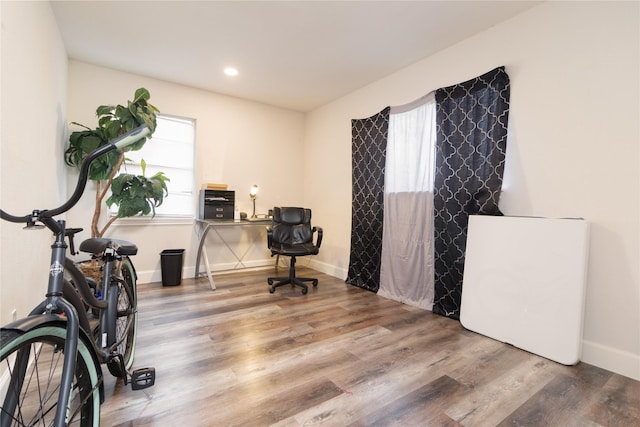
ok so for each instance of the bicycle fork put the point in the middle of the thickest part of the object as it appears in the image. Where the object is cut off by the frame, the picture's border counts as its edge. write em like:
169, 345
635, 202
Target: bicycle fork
69, 364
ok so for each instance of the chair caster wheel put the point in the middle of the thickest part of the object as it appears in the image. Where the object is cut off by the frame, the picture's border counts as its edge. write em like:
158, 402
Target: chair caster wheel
304, 291
270, 282
315, 283
272, 290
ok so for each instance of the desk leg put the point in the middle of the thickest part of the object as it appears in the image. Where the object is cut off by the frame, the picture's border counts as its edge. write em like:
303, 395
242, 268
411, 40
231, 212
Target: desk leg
202, 252
201, 231
208, 268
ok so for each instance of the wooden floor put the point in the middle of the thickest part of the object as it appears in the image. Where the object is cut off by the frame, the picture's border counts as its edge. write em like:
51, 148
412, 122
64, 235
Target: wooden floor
342, 356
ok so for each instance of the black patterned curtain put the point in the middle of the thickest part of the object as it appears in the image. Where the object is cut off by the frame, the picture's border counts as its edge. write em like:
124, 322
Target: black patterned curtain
369, 144
471, 141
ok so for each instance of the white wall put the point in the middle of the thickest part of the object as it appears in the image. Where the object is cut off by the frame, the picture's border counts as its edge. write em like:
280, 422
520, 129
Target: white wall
573, 148
238, 142
33, 93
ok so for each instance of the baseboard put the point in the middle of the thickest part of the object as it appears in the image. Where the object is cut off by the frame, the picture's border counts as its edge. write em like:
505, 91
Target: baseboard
331, 270
611, 359
153, 276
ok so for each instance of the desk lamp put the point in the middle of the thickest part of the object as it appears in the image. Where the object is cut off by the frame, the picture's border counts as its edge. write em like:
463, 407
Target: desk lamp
252, 193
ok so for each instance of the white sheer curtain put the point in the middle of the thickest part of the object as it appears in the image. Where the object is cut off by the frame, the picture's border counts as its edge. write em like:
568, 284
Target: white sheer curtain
406, 272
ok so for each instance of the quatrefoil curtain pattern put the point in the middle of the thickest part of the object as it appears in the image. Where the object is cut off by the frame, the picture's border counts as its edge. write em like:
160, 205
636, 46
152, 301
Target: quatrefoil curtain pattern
470, 144
368, 157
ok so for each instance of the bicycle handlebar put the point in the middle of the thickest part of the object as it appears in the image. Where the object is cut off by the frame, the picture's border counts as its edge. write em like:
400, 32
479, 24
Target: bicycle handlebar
118, 143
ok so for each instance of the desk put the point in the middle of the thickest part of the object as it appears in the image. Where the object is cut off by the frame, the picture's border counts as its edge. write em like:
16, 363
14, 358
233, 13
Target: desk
202, 228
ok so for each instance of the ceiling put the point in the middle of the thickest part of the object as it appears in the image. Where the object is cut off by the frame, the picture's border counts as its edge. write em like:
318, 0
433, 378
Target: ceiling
297, 55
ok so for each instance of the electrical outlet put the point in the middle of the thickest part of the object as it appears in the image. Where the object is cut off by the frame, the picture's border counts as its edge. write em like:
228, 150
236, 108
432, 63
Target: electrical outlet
14, 314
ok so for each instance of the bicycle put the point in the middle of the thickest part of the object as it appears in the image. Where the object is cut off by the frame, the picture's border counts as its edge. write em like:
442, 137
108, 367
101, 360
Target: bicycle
50, 361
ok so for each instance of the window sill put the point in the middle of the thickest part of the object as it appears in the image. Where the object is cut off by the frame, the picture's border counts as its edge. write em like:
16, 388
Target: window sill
157, 220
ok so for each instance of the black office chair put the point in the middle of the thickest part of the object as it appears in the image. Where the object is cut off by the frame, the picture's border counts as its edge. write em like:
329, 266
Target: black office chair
291, 234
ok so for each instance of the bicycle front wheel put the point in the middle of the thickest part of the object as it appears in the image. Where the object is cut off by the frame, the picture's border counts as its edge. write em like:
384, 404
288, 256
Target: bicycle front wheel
31, 362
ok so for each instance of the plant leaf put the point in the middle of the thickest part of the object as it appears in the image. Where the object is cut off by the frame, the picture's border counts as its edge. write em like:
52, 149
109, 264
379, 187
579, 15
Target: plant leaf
104, 110
141, 95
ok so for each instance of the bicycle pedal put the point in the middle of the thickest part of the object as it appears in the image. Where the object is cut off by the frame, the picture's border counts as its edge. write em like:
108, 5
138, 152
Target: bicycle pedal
143, 378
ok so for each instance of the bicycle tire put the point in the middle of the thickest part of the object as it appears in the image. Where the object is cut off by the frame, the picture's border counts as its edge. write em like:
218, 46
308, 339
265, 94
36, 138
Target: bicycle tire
41, 351
126, 315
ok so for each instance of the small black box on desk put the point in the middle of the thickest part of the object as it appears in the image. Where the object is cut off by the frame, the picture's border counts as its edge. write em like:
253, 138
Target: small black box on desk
216, 204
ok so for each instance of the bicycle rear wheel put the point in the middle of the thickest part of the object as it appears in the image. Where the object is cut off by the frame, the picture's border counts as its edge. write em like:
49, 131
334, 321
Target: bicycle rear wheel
126, 317
31, 362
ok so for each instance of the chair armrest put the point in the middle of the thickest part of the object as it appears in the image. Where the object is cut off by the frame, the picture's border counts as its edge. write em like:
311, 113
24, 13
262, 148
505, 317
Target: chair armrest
269, 236
319, 237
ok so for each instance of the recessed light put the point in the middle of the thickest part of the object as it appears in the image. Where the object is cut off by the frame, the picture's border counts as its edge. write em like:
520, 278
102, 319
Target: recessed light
230, 71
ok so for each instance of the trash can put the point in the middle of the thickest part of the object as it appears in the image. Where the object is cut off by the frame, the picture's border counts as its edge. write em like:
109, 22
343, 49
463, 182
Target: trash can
171, 266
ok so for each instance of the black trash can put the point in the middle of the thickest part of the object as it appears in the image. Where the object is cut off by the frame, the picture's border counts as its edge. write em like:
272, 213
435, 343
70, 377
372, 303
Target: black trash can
171, 266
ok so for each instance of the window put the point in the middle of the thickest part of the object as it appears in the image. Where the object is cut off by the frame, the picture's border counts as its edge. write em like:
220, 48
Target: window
411, 147
171, 150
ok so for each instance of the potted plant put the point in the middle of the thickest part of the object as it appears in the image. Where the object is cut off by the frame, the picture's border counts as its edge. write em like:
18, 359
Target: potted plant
132, 194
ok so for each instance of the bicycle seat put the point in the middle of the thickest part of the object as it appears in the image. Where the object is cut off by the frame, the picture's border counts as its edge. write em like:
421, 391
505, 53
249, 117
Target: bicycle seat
97, 245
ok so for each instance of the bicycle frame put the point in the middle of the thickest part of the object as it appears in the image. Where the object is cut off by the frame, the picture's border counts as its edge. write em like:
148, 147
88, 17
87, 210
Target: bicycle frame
106, 338
104, 341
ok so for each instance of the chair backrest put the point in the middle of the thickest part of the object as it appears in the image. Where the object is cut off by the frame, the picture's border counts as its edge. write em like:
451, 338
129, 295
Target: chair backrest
292, 225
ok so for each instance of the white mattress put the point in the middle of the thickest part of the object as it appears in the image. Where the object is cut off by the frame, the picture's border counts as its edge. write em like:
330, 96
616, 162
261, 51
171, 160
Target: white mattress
524, 283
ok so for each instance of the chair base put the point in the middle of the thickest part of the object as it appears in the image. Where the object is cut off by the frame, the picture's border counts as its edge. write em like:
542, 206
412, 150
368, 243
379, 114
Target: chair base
292, 279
